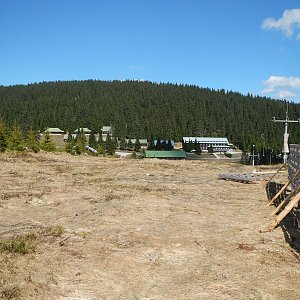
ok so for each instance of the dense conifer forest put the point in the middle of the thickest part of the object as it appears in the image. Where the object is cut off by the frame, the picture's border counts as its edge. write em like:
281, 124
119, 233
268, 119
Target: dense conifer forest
144, 110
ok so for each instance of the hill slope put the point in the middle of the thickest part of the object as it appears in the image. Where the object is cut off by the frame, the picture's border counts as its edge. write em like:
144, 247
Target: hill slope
142, 109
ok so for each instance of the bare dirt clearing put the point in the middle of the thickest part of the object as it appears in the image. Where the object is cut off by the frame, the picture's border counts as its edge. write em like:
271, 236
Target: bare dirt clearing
105, 228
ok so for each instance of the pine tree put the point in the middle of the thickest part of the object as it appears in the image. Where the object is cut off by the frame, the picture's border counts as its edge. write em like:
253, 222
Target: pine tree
137, 145
129, 145
109, 145
32, 141
210, 150
100, 141
15, 139
158, 145
198, 149
80, 141
122, 144
3, 143
101, 149
169, 145
47, 144
151, 145
92, 140
115, 141
70, 143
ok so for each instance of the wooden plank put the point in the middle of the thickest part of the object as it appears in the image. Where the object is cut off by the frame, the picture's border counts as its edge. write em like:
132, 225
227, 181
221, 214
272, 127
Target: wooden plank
276, 173
284, 187
283, 203
284, 213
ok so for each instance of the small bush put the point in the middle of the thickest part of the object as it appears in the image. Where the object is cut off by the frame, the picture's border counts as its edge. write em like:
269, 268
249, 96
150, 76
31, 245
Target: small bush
56, 230
229, 155
27, 243
22, 245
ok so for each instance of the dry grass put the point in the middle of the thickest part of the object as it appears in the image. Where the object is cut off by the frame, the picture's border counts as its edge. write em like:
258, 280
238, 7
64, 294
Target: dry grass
108, 228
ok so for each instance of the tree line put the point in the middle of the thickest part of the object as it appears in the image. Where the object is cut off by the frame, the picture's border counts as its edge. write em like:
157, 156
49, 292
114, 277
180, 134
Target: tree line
146, 109
14, 139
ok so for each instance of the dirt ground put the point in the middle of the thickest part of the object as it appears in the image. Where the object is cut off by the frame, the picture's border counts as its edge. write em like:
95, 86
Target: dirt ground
109, 228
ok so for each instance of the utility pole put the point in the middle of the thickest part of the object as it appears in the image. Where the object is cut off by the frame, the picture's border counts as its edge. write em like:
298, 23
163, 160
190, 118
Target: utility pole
253, 155
285, 149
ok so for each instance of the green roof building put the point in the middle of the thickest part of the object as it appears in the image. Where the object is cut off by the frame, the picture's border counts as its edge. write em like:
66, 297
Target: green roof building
174, 154
54, 130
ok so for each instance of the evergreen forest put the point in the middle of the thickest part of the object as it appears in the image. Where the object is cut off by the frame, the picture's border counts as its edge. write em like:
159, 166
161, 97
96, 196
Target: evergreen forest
149, 110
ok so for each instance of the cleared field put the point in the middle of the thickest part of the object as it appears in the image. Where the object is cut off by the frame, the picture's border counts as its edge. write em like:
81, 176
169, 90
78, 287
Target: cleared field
105, 228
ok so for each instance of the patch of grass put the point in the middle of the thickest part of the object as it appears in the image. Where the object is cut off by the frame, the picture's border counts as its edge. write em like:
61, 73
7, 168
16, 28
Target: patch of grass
27, 243
56, 230
21, 245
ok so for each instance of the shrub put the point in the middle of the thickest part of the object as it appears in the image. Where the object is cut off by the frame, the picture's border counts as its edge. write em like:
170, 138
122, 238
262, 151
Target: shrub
228, 154
22, 245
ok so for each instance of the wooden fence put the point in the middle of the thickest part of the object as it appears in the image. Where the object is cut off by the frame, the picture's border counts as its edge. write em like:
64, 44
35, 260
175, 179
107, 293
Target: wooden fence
288, 196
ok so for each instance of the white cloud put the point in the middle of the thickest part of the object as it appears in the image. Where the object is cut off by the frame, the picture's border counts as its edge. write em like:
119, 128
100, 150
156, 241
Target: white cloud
288, 23
281, 87
281, 81
284, 94
267, 91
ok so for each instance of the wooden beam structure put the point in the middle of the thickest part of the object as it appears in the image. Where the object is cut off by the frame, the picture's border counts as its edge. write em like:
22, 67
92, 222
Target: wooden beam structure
284, 213
291, 200
283, 189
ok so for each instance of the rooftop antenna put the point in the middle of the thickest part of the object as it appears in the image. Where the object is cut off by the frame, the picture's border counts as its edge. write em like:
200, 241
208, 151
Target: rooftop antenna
285, 149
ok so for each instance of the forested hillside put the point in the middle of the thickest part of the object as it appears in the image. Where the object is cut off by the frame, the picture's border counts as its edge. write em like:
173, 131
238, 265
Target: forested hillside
145, 109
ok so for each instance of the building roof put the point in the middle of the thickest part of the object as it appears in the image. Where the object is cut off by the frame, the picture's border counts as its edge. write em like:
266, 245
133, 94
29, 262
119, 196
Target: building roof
205, 139
106, 128
142, 141
54, 130
164, 141
165, 154
85, 130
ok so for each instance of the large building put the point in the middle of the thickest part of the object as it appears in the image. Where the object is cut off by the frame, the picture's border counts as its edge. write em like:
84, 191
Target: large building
56, 135
217, 144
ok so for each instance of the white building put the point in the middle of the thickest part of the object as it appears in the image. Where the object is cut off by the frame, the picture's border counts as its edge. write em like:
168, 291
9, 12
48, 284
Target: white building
218, 144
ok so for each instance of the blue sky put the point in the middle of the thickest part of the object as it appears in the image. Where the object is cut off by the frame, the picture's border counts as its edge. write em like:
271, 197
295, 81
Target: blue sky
248, 46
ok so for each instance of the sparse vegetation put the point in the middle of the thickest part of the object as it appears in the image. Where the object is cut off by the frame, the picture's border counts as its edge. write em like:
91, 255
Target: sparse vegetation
130, 220
27, 243
56, 230
229, 155
21, 244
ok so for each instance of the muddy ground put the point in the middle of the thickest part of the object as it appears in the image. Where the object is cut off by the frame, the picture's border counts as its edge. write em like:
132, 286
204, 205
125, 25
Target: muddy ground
107, 228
